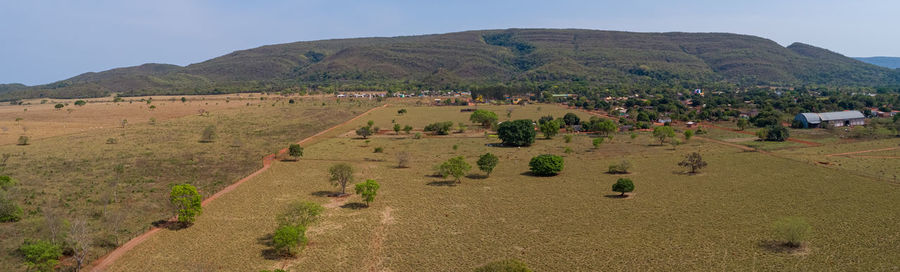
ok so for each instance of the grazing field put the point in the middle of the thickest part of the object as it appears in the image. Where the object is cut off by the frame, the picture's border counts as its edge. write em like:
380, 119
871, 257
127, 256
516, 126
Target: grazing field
876, 158
720, 219
75, 177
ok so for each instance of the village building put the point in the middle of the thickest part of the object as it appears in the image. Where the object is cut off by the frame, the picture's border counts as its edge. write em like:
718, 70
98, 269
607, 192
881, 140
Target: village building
831, 119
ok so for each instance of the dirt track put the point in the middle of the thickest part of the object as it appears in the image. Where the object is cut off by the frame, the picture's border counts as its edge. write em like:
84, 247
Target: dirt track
104, 262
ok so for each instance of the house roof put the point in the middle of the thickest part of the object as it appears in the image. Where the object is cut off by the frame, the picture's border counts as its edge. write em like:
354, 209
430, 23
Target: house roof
815, 118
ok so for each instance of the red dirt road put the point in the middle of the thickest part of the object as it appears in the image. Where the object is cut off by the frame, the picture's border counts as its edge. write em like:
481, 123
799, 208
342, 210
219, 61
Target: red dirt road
104, 262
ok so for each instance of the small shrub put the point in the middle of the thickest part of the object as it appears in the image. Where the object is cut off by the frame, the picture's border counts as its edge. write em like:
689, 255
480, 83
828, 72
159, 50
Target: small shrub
567, 138
417, 136
407, 129
568, 150
455, 147
152, 121
300, 213
402, 159
23, 140
9, 210
620, 168
295, 151
597, 142
208, 135
623, 185
439, 128
80, 102
546, 165
792, 231
112, 141
379, 150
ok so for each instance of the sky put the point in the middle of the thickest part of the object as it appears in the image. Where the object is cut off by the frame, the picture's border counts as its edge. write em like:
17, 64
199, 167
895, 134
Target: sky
42, 41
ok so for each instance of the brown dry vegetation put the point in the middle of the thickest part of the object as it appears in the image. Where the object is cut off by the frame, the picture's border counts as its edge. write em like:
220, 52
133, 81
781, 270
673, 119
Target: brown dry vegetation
73, 174
720, 219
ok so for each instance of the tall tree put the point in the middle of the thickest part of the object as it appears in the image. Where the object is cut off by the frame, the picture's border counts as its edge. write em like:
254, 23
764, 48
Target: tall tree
341, 174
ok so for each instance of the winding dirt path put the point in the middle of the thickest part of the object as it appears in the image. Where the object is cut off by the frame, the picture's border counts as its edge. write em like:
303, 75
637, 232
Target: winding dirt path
104, 262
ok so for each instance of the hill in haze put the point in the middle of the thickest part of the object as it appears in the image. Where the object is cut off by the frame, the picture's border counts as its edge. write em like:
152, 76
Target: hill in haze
514, 56
888, 62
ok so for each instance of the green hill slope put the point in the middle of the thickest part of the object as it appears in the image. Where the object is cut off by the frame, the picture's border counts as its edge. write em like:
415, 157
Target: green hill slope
519, 56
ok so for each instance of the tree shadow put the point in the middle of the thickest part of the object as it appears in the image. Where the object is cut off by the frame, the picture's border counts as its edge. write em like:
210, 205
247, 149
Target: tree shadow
781, 247
354, 206
269, 253
685, 173
434, 176
322, 193
476, 176
448, 183
499, 145
532, 174
618, 196
170, 225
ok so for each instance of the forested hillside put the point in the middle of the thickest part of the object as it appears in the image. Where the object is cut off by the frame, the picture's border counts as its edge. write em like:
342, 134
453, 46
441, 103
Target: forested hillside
887, 62
526, 58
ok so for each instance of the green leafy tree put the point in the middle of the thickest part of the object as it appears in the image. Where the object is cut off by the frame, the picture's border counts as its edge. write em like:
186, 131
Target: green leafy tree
776, 133
40, 255
300, 213
571, 119
407, 129
341, 174
620, 168
397, 129
688, 134
440, 128
456, 167
693, 162
504, 266
517, 133
289, 240
792, 231
364, 132
484, 117
367, 190
59, 106
743, 124
550, 128
546, 165
603, 126
623, 185
662, 133
487, 162
597, 142
187, 203
295, 151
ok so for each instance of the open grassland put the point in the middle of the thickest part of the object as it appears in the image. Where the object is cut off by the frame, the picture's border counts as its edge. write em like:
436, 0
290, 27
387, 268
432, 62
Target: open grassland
38, 120
73, 176
883, 163
720, 219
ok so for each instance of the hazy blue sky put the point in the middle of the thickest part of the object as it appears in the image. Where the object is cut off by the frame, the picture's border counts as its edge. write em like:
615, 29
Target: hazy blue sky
45, 41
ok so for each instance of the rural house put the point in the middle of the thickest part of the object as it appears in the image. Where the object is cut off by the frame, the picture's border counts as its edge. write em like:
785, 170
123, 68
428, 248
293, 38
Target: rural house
833, 119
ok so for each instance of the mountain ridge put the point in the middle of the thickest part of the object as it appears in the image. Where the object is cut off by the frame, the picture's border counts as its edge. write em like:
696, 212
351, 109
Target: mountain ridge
883, 61
522, 57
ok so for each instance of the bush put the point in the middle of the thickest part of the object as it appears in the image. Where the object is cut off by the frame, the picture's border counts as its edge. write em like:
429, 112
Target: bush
407, 129
550, 128
546, 165
208, 135
80, 102
186, 201
688, 134
23, 140
597, 142
567, 138
776, 133
484, 117
455, 167
568, 150
289, 240
6, 182
440, 128
112, 141
517, 133
9, 210
417, 136
364, 132
487, 162
621, 168
504, 266
40, 255
792, 231
623, 185
379, 150
300, 213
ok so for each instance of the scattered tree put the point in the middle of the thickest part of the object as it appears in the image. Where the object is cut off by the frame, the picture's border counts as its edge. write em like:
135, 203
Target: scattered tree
517, 133
59, 106
571, 119
378, 150
397, 129
742, 124
620, 168
295, 151
567, 138
550, 128
407, 129
289, 240
776, 133
602, 125
662, 133
341, 175
9, 210
208, 135
693, 161
623, 185
23, 140
80, 102
402, 159
546, 165
367, 190
186, 201
300, 213
792, 231
597, 142
485, 117
439, 128
688, 134
80, 240
364, 132
487, 162
401, 111
40, 255
6, 183
455, 167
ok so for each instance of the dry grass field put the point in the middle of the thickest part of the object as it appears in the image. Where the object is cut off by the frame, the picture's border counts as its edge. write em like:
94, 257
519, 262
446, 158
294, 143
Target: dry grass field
72, 175
720, 219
